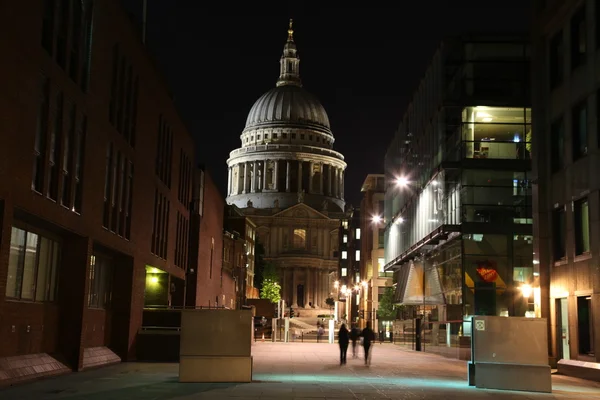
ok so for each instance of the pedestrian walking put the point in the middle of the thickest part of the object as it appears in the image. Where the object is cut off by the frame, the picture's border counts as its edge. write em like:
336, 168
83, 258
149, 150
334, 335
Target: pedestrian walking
343, 340
368, 338
354, 336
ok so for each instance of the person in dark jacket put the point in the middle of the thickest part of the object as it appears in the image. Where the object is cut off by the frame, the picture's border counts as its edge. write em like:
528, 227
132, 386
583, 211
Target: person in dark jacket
368, 338
354, 336
343, 340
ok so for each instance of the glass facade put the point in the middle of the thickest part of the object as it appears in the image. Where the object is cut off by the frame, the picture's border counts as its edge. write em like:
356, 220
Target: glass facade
458, 209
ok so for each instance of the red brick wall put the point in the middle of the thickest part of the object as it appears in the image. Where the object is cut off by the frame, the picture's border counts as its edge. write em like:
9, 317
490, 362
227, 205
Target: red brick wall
208, 285
21, 44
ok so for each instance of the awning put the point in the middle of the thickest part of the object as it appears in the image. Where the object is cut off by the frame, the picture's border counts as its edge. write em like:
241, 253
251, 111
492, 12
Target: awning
418, 283
433, 238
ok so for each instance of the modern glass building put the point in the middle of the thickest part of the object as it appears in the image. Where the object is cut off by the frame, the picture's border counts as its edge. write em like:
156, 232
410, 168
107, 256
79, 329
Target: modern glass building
458, 194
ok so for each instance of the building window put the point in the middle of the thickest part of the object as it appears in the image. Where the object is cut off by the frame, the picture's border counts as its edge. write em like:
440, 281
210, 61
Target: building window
357, 235
118, 193
345, 239
69, 23
55, 136
579, 130
344, 271
100, 281
380, 265
181, 241
160, 228
299, 241
578, 38
344, 255
380, 238
345, 224
68, 159
357, 255
41, 136
557, 144
123, 96
32, 266
585, 329
185, 179
164, 152
557, 60
559, 238
582, 226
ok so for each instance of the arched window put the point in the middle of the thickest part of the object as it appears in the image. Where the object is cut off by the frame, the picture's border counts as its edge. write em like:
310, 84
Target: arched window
299, 238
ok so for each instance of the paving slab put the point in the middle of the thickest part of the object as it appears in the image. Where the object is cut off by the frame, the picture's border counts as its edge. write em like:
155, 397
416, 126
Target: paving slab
295, 371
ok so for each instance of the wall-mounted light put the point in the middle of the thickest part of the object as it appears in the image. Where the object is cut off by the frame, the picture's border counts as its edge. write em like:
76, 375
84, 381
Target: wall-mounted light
376, 219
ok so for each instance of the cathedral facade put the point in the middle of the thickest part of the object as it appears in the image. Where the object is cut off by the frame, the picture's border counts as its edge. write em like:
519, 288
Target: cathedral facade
289, 180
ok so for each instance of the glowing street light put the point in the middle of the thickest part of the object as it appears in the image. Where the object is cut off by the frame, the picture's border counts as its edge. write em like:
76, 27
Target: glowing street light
526, 290
402, 181
376, 219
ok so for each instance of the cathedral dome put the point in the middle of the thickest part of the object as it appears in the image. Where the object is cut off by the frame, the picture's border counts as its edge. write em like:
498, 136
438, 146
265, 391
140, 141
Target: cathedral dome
288, 105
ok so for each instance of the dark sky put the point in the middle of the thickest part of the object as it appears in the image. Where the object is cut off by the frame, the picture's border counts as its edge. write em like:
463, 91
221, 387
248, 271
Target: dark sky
362, 63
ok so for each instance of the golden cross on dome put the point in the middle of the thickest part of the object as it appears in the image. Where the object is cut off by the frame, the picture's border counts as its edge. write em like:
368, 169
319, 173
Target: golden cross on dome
291, 32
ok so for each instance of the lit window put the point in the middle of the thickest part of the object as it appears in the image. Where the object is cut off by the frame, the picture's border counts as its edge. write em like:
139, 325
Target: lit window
345, 239
344, 271
345, 224
357, 255
299, 238
358, 233
344, 254
380, 264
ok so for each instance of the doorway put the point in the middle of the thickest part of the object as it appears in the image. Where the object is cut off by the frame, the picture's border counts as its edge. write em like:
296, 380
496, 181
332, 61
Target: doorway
300, 294
562, 327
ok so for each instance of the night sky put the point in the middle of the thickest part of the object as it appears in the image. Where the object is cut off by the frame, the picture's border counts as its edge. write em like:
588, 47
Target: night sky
362, 63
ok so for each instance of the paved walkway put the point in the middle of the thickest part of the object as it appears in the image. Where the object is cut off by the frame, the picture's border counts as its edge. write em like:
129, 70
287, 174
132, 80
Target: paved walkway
295, 371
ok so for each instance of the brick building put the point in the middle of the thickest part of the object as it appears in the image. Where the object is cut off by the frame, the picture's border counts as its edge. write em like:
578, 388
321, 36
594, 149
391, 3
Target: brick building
96, 183
234, 266
208, 285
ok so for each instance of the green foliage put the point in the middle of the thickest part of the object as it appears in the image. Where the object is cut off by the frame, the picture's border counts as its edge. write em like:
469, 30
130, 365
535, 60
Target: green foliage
270, 290
386, 310
330, 302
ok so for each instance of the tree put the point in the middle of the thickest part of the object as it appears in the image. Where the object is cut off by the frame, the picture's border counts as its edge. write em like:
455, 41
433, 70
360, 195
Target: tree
270, 288
386, 310
330, 302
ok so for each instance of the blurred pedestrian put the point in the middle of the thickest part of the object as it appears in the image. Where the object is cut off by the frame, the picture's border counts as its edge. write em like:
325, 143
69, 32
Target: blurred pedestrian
343, 340
368, 338
354, 336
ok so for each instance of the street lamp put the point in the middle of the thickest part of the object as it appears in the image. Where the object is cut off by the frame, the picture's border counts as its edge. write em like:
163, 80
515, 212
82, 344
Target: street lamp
376, 219
402, 181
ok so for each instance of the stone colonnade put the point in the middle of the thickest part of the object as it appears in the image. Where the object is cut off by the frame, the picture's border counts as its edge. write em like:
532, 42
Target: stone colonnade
308, 282
264, 176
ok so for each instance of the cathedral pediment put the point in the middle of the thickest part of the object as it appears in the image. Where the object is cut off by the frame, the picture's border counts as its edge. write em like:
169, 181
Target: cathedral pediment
301, 210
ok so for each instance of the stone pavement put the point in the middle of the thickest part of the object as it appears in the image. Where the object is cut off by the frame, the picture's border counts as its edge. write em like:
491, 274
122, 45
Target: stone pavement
295, 371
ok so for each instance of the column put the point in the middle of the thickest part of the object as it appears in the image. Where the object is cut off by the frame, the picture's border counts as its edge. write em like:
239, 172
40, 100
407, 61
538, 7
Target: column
284, 285
321, 189
335, 182
245, 178
287, 176
342, 184
329, 168
299, 176
294, 287
265, 185
229, 182
307, 288
276, 175
317, 289
311, 172
253, 180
